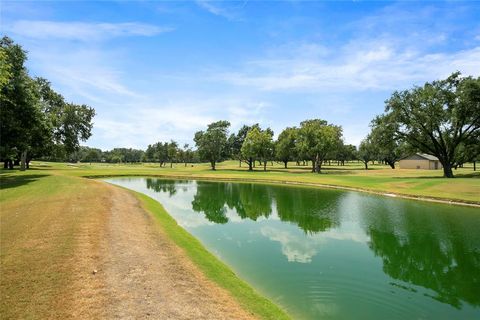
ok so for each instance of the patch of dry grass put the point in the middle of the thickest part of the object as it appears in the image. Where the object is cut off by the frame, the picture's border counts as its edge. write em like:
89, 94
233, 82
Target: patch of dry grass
50, 230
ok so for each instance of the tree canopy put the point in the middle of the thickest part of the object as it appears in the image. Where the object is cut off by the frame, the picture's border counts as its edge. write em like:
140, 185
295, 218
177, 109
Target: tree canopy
212, 143
438, 117
35, 119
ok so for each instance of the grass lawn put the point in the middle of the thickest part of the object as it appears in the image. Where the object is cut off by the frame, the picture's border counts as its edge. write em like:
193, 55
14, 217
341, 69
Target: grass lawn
417, 183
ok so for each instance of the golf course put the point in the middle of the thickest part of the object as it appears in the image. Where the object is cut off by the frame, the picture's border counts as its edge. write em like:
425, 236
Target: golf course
231, 159
56, 223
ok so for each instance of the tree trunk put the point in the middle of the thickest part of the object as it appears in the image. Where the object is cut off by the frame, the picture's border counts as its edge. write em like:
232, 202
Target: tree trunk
447, 171
212, 163
250, 164
319, 166
285, 162
185, 163
5, 164
23, 160
366, 165
28, 163
314, 167
171, 164
265, 165
474, 166
391, 164
240, 163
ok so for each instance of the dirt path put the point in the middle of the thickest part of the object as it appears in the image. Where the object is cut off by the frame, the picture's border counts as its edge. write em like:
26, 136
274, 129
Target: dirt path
142, 274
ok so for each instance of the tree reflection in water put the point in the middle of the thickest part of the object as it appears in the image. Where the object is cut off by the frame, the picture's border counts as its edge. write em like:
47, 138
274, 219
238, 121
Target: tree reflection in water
431, 250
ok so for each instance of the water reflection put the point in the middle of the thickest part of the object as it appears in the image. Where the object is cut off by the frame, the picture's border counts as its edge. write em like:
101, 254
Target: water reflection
430, 251
167, 186
433, 251
304, 207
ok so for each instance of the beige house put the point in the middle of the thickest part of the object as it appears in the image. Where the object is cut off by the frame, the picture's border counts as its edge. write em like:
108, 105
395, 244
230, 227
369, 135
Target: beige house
420, 161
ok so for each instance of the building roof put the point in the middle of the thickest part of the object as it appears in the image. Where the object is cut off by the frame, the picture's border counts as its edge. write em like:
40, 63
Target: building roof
416, 156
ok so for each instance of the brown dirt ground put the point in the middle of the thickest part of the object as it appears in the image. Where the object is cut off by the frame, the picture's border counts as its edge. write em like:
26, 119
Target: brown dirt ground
141, 273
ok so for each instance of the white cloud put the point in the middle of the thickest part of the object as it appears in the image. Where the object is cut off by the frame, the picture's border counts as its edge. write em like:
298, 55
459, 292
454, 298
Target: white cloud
82, 31
217, 10
142, 121
380, 67
303, 247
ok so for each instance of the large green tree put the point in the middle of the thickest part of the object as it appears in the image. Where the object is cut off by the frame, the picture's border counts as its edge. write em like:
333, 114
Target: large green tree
316, 138
438, 117
34, 117
258, 145
212, 143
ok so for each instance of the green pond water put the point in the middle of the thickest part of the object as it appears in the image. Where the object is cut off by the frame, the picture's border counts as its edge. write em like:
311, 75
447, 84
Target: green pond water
329, 254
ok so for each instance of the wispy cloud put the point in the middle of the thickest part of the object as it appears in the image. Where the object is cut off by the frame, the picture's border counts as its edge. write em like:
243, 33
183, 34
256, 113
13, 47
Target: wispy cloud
215, 8
156, 119
82, 31
357, 65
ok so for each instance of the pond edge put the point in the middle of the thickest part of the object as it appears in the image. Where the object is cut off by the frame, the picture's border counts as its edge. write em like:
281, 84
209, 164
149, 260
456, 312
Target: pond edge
211, 266
466, 203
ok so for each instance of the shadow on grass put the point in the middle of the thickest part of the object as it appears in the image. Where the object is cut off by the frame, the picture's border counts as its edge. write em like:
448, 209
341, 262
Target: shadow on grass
292, 170
13, 181
474, 175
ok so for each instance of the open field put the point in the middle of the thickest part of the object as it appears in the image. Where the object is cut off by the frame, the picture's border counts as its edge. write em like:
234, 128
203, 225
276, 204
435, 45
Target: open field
379, 178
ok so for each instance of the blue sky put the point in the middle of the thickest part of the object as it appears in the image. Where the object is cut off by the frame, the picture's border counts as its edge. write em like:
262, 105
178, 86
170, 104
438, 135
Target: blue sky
156, 71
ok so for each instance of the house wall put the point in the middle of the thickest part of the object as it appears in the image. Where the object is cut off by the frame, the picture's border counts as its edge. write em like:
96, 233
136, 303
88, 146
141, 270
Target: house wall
432, 164
419, 164
414, 164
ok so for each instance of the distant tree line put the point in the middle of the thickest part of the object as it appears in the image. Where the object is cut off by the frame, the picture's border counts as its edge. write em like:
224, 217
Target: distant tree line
35, 120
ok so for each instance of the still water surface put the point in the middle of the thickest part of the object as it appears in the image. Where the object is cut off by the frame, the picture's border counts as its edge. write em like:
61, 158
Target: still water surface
329, 254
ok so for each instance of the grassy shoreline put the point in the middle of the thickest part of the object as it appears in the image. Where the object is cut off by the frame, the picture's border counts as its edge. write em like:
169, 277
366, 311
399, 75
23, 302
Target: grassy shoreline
426, 185
211, 266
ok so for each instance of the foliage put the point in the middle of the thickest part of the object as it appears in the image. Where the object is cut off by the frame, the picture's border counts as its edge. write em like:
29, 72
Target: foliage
258, 144
285, 147
439, 117
212, 143
316, 138
367, 151
35, 119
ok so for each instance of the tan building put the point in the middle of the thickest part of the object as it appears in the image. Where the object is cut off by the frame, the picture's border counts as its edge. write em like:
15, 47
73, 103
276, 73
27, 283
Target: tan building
420, 161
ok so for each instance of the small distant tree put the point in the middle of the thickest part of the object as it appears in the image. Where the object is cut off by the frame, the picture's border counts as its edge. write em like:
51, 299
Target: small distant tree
172, 152
212, 143
285, 147
366, 152
93, 155
258, 144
